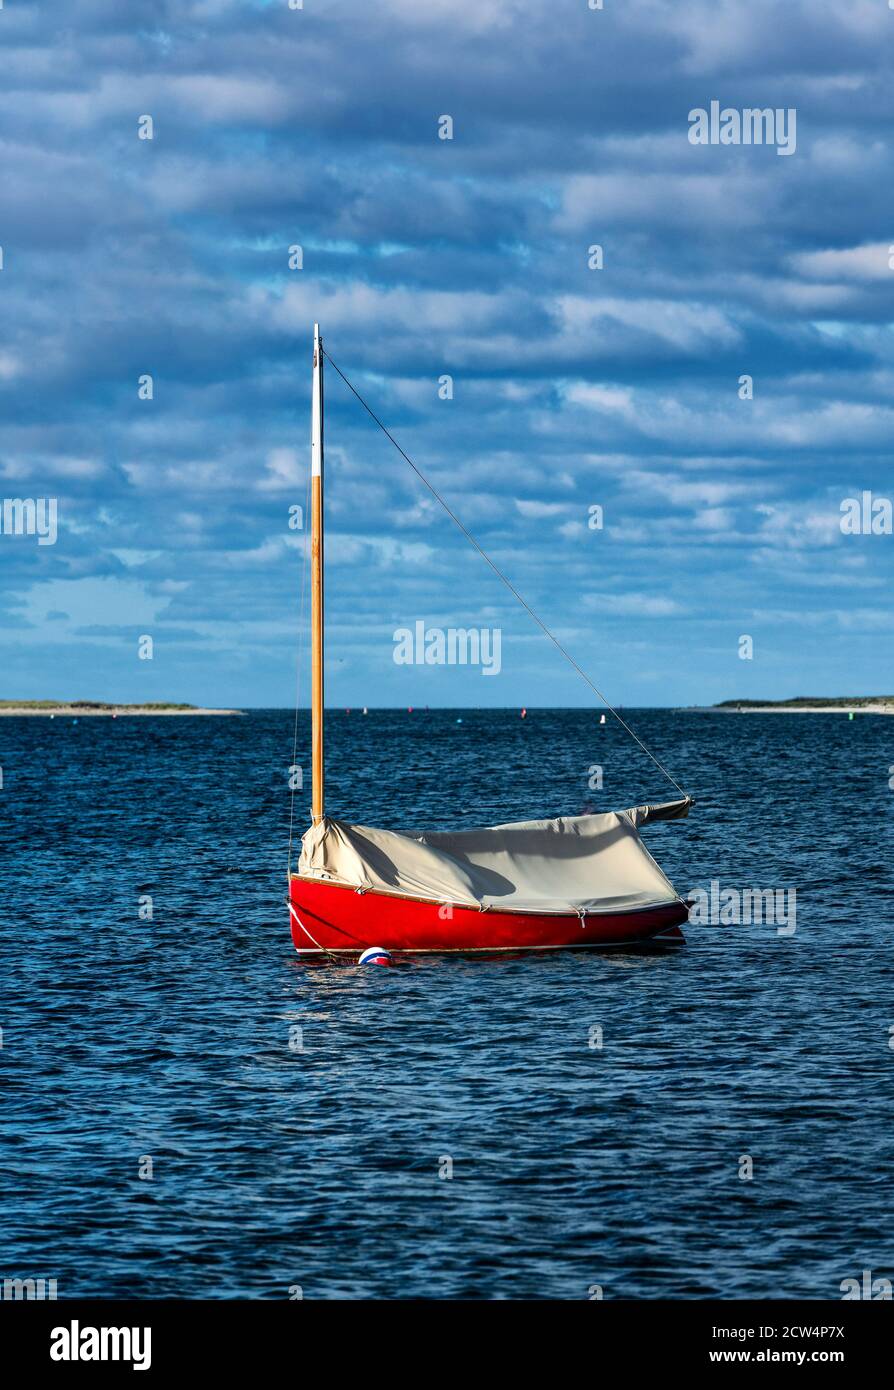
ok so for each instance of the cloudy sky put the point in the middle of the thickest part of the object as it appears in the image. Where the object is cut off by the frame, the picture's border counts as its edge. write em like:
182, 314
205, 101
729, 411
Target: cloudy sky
424, 257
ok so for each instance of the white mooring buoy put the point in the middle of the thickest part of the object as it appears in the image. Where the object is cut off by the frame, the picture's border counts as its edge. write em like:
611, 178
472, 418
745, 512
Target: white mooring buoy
376, 955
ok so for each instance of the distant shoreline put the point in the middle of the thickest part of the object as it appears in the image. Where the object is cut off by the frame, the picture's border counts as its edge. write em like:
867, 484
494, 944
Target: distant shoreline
93, 708
873, 705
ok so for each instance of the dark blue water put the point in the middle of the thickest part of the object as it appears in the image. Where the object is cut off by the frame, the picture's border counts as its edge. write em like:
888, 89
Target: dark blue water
573, 1166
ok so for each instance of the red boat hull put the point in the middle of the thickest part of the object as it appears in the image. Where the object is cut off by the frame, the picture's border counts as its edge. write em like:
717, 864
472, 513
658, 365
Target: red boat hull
327, 917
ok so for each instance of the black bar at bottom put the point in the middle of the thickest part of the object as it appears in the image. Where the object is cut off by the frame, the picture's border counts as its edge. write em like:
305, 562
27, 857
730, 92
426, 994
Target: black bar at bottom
82, 1337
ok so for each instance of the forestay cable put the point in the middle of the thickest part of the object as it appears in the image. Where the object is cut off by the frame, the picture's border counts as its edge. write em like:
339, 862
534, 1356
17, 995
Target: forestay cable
500, 575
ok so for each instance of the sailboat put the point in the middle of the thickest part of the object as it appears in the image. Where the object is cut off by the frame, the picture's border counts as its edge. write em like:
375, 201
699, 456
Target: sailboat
567, 882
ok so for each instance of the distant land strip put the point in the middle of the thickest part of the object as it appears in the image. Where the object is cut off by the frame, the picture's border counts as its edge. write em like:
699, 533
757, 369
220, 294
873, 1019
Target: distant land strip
803, 704
90, 707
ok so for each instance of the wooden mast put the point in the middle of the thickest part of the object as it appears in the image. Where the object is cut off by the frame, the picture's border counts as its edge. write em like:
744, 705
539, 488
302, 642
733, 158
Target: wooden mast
316, 581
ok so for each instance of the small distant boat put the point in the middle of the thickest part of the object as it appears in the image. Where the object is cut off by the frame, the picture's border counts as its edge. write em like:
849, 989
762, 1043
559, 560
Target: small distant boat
570, 881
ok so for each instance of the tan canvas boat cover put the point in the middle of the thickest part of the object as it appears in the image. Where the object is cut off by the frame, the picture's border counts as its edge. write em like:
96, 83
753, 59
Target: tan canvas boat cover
574, 863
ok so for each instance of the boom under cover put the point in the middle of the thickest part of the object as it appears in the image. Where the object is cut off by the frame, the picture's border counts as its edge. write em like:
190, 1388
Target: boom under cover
573, 863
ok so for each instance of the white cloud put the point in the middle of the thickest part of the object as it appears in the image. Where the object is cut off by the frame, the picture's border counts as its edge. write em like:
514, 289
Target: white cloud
689, 492
474, 16
538, 510
681, 325
109, 601
796, 526
10, 366
284, 469
869, 262
670, 200
613, 400
636, 605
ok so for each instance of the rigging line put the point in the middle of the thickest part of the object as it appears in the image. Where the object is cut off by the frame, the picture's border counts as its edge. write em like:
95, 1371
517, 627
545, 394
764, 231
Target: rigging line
301, 640
500, 575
